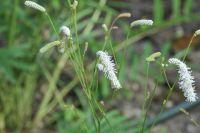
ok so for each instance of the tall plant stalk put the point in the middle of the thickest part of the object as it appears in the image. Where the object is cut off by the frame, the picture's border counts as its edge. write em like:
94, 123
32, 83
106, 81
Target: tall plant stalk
171, 88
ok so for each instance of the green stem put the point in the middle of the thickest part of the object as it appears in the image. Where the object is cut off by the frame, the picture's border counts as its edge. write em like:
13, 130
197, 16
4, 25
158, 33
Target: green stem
79, 68
187, 50
167, 98
104, 114
53, 26
145, 91
171, 88
13, 24
149, 104
95, 118
77, 42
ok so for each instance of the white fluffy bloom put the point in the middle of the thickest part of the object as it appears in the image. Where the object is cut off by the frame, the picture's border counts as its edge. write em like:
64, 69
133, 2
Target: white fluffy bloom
100, 67
34, 5
65, 31
197, 33
186, 80
108, 67
142, 22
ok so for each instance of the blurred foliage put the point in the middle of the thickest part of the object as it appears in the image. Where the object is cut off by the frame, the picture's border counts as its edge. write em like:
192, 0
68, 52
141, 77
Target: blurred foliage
25, 73
74, 121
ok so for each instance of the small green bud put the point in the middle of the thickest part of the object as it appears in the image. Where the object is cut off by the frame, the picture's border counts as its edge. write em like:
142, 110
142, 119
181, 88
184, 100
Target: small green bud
105, 28
153, 57
124, 15
164, 102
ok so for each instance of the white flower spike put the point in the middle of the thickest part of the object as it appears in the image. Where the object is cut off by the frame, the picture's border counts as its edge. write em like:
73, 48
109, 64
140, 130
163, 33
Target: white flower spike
107, 66
197, 33
142, 22
35, 5
100, 67
65, 31
186, 80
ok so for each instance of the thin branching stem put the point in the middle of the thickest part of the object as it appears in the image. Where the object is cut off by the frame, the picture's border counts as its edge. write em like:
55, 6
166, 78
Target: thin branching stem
145, 92
13, 23
53, 26
149, 105
171, 88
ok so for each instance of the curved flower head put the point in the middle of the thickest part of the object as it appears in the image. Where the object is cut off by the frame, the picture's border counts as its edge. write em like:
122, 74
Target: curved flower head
186, 80
153, 57
106, 61
142, 22
107, 66
35, 5
65, 31
197, 33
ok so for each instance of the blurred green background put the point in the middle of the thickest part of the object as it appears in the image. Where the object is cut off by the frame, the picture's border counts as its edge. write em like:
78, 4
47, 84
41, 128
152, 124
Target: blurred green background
26, 75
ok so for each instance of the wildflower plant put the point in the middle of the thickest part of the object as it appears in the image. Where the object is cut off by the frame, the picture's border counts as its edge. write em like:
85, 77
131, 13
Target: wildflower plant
186, 80
67, 42
70, 46
108, 67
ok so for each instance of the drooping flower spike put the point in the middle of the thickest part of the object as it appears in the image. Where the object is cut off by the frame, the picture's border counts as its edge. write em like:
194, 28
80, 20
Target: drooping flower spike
107, 66
186, 80
197, 33
35, 5
142, 22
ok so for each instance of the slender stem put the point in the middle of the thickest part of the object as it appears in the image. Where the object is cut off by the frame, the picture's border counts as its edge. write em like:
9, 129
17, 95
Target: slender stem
13, 23
195, 123
126, 41
145, 91
166, 79
78, 64
189, 45
104, 114
97, 60
77, 41
150, 101
113, 52
163, 106
53, 26
94, 116
107, 37
171, 88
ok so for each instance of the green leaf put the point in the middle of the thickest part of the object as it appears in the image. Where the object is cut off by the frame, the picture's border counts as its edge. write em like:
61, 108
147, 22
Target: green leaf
8, 73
